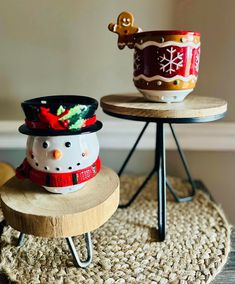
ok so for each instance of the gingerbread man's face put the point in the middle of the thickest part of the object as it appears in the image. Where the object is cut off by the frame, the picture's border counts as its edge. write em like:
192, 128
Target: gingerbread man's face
125, 19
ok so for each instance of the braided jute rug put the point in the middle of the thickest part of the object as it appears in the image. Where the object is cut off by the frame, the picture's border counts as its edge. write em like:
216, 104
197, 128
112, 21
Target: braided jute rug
126, 249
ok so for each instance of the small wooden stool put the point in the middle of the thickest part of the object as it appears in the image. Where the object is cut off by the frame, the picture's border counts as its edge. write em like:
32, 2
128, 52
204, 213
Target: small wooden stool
194, 109
30, 209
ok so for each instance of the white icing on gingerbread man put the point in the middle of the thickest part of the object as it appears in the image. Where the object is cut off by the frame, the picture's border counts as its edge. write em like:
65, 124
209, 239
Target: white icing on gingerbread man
124, 27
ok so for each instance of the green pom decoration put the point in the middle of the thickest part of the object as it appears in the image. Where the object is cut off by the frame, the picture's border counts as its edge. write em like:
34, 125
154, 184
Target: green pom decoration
60, 110
76, 115
78, 124
80, 110
73, 111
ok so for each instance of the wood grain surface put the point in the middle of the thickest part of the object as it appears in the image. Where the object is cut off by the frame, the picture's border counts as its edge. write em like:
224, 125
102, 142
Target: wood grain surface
30, 209
136, 105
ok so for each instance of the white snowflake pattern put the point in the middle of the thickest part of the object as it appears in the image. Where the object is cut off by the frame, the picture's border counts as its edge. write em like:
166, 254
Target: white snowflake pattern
172, 62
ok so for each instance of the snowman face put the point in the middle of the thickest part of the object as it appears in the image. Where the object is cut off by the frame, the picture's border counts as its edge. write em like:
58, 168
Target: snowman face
60, 154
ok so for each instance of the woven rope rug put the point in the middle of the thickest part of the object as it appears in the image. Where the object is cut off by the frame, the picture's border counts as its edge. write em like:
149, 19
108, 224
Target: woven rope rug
126, 249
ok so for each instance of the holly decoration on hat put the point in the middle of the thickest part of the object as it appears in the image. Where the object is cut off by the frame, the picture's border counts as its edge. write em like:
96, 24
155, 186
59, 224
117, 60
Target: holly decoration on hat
75, 116
72, 119
51, 120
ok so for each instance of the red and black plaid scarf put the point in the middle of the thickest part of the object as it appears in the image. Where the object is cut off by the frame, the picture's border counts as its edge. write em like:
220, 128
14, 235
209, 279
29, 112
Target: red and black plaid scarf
57, 179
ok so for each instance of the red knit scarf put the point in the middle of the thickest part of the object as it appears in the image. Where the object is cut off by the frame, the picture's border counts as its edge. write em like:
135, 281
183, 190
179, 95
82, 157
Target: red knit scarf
57, 179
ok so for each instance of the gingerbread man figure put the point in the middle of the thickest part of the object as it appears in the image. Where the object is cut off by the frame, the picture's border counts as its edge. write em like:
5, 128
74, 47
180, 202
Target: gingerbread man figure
124, 27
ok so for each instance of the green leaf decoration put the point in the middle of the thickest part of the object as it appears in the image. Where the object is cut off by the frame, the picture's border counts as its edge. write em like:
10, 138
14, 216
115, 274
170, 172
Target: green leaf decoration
76, 115
73, 111
74, 119
77, 125
60, 110
84, 110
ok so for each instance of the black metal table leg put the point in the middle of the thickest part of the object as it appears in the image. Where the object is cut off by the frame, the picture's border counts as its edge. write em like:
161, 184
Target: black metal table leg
138, 191
124, 165
20, 241
168, 184
2, 225
186, 168
161, 179
133, 149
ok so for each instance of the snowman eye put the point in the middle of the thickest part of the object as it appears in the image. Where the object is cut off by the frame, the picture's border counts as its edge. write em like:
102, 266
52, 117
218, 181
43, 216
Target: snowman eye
45, 145
83, 154
67, 144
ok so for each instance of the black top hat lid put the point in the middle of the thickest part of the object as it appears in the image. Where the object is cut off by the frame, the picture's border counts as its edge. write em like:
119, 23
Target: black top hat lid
60, 115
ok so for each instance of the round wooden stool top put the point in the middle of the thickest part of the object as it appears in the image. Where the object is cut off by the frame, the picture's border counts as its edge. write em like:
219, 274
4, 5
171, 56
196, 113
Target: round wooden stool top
30, 209
193, 109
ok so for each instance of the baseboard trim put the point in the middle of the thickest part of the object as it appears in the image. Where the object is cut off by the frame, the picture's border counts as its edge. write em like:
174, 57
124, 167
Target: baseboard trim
121, 134
199, 137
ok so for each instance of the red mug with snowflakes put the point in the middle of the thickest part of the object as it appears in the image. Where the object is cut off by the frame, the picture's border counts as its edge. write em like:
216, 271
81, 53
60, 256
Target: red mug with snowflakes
166, 63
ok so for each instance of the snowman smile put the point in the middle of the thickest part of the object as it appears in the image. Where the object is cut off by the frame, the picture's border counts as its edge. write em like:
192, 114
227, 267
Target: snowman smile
58, 169
62, 154
55, 155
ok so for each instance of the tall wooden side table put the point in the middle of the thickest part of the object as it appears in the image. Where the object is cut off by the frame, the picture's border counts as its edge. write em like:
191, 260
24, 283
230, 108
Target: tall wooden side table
193, 109
30, 209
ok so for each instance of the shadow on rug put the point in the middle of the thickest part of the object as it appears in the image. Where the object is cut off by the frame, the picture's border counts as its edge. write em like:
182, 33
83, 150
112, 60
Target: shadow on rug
126, 249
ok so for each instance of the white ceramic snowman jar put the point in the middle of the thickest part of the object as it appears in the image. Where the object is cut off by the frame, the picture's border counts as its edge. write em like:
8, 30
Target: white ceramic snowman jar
62, 148
62, 154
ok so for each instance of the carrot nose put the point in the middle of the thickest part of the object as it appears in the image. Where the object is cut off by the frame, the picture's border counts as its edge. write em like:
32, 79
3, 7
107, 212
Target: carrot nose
56, 154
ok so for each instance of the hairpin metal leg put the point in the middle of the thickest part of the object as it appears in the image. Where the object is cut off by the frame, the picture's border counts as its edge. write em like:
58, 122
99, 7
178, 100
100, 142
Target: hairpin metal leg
186, 168
78, 262
20, 241
161, 179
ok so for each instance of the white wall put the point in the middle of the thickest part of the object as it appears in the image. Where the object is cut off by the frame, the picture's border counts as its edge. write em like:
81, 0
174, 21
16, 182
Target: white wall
215, 20
64, 46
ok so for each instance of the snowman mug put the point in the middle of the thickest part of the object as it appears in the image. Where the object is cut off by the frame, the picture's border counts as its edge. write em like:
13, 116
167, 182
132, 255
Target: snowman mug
166, 63
62, 151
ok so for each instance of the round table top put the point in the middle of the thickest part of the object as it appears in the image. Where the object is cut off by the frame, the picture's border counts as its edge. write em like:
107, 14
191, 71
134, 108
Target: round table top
31, 209
135, 107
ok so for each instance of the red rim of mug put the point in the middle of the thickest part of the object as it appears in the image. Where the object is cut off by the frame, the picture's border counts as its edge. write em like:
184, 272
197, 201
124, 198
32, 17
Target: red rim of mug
166, 32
